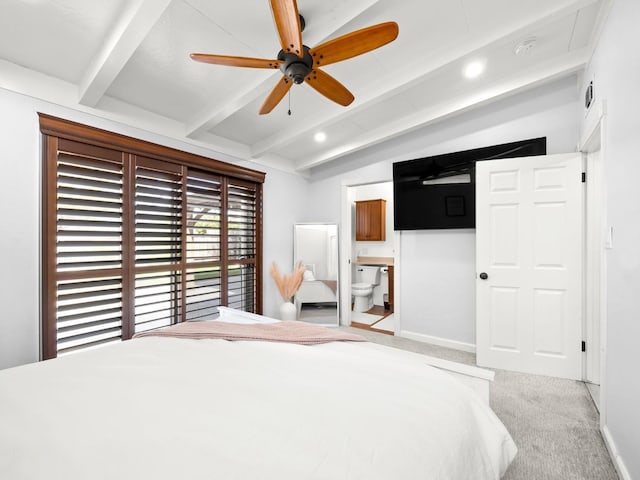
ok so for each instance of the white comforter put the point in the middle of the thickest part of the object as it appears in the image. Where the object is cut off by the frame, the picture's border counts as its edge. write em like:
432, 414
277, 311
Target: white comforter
164, 408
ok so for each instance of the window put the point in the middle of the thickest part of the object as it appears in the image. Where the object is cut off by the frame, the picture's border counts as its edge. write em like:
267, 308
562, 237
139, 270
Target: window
137, 236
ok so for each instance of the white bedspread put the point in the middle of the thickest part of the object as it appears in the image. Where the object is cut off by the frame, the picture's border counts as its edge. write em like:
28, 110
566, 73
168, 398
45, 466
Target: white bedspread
164, 408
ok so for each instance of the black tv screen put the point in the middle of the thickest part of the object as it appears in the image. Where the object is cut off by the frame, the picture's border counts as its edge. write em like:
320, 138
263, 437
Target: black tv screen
439, 192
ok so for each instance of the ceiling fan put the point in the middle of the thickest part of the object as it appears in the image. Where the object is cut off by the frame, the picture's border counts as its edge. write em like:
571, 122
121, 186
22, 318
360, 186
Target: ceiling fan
300, 63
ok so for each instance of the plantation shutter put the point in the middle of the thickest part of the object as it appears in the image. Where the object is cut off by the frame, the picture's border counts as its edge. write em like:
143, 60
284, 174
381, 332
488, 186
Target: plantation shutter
241, 235
137, 236
88, 248
158, 243
204, 245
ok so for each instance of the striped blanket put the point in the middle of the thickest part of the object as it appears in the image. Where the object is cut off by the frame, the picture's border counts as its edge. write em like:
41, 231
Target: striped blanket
286, 331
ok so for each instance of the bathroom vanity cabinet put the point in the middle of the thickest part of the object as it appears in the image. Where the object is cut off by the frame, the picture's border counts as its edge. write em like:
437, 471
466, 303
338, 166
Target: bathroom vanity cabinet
371, 220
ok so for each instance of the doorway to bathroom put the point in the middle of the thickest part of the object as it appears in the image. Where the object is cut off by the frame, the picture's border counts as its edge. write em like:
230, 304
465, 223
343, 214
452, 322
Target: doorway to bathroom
368, 278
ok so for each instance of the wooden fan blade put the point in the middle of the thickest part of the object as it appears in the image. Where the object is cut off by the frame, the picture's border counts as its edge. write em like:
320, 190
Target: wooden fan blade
278, 92
329, 87
236, 61
287, 19
354, 43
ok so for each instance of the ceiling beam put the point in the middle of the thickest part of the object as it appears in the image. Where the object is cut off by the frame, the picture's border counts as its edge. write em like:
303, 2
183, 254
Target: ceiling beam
552, 70
63, 95
318, 30
208, 119
398, 82
126, 36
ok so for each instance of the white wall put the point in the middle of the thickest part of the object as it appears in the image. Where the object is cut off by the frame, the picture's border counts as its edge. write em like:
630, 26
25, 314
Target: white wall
20, 212
437, 268
285, 204
19, 240
615, 69
437, 284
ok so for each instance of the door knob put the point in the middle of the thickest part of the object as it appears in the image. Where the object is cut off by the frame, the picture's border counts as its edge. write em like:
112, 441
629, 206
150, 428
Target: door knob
483, 276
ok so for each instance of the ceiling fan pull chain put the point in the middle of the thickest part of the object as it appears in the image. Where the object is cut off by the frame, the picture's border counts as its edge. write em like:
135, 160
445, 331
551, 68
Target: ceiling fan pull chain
289, 111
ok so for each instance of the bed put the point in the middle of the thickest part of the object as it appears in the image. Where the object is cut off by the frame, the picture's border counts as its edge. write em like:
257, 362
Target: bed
164, 408
313, 290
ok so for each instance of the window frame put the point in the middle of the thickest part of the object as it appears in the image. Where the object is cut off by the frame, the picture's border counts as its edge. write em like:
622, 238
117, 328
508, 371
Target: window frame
53, 130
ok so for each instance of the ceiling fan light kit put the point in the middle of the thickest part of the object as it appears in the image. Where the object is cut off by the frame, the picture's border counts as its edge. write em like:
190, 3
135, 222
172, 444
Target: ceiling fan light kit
299, 63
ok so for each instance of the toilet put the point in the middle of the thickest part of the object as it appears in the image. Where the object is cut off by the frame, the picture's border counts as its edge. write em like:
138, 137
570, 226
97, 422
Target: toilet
367, 277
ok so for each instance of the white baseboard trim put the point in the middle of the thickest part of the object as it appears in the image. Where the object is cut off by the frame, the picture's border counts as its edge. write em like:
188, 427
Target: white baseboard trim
623, 473
441, 342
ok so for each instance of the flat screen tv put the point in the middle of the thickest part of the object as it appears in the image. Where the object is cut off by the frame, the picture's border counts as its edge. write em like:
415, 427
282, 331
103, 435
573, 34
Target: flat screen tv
439, 192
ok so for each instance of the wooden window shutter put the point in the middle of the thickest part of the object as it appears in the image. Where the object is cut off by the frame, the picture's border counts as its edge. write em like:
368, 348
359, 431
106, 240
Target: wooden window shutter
138, 236
158, 243
242, 208
204, 282
88, 249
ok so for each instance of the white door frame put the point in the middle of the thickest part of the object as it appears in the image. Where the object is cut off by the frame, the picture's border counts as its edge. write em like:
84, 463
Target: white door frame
593, 144
345, 254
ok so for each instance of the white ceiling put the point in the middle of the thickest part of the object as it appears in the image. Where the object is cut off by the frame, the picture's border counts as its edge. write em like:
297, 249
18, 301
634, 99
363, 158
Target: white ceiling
128, 60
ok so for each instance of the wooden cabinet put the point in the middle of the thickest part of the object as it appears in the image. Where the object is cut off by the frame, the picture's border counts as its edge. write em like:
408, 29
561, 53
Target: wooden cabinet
371, 220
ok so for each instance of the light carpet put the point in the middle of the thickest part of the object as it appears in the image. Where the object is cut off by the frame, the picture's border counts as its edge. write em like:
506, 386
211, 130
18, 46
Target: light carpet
319, 313
553, 421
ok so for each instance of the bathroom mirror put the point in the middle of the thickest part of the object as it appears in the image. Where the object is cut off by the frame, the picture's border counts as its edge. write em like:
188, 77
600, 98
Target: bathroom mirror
316, 247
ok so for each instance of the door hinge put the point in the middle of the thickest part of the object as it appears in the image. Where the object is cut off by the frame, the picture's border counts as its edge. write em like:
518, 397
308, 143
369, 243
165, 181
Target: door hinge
584, 177
584, 346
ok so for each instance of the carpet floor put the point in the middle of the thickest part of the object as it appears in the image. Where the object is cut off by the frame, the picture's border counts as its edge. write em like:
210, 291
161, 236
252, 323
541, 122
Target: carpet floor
553, 421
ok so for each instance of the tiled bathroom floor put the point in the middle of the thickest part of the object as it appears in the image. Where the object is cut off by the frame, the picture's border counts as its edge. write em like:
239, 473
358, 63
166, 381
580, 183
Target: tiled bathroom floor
384, 325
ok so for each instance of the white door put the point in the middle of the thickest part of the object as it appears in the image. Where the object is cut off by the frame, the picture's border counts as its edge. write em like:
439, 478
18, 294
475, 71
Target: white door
529, 234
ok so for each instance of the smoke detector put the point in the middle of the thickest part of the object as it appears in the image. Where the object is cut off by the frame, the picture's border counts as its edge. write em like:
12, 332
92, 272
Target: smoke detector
525, 46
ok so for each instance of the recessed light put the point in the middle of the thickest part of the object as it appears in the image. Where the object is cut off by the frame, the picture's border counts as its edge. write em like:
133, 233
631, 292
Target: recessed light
474, 69
320, 137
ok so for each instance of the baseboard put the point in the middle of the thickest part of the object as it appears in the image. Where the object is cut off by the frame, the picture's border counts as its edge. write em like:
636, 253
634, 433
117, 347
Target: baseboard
441, 342
623, 473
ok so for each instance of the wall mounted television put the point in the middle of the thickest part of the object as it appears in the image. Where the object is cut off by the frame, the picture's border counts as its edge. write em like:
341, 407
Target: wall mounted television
438, 192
